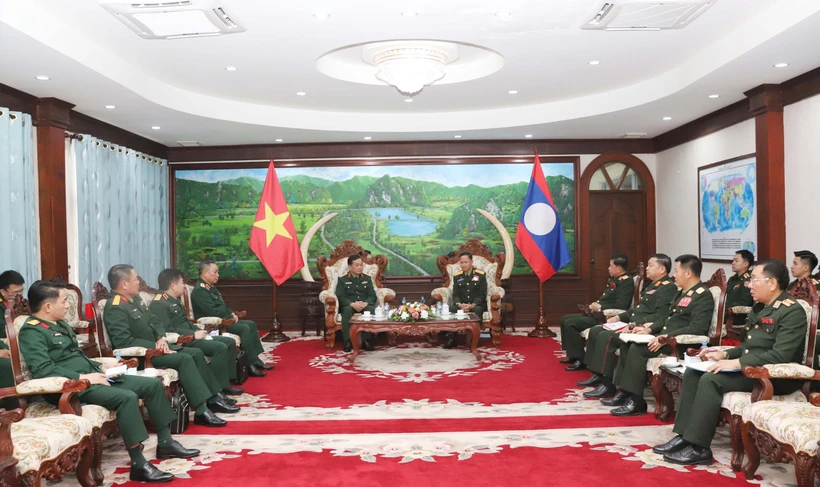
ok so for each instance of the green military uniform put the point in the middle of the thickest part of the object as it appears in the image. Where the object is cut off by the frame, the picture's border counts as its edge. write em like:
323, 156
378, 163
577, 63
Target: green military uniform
350, 289
206, 300
617, 295
131, 324
3, 316
602, 344
471, 288
7, 379
738, 294
691, 314
221, 349
51, 350
774, 334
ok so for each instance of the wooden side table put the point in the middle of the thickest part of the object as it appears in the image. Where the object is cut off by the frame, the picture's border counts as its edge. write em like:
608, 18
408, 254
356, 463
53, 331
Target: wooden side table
671, 382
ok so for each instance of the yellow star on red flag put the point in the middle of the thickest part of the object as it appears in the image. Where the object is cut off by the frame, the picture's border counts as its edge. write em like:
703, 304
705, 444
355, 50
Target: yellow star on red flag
273, 224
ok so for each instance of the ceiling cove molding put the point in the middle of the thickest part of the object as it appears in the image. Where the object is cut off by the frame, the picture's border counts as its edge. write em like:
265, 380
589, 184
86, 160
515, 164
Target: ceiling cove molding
38, 24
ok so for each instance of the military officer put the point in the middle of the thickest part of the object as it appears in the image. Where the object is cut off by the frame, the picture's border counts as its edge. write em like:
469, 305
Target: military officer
206, 300
50, 349
602, 344
355, 293
775, 333
618, 294
168, 309
803, 264
737, 292
690, 314
11, 283
131, 324
469, 291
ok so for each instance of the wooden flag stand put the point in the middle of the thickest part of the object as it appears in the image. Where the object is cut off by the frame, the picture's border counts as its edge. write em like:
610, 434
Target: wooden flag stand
541, 330
275, 334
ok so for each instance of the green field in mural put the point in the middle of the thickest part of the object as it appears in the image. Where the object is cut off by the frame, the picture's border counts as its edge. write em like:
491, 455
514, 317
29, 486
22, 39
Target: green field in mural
411, 214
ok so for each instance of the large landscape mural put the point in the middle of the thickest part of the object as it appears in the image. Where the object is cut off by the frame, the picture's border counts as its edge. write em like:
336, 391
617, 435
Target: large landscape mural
411, 214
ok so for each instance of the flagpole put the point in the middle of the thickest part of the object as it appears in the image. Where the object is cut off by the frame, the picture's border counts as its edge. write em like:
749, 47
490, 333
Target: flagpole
541, 329
275, 334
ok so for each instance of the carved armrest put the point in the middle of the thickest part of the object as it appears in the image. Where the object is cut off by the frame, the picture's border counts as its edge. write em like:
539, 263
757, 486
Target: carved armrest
814, 399
148, 353
67, 388
609, 313
741, 310
240, 314
384, 295
763, 389
172, 338
691, 339
442, 294
131, 362
329, 299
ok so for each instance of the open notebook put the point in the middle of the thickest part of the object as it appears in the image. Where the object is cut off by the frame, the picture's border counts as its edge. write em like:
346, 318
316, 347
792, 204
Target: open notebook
704, 365
636, 338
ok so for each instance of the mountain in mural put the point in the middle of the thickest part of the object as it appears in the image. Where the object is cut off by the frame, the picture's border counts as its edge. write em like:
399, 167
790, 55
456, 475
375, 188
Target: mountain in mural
389, 192
301, 178
350, 190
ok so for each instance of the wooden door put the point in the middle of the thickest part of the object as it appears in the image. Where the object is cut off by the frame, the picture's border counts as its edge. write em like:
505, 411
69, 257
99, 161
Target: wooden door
617, 225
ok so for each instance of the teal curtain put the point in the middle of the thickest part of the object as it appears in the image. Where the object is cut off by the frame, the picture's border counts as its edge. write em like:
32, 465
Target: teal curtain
19, 249
122, 211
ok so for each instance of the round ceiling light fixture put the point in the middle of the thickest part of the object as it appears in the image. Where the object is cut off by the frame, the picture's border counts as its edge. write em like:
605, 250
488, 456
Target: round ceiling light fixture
410, 69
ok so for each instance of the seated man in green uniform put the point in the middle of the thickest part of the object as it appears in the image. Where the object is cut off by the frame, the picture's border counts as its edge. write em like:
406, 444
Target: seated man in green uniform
803, 264
131, 324
469, 291
690, 314
775, 334
737, 292
11, 284
355, 293
618, 294
168, 309
50, 349
602, 344
206, 300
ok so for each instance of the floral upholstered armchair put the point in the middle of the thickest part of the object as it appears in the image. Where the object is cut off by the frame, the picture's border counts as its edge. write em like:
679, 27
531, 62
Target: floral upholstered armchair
81, 326
492, 266
335, 266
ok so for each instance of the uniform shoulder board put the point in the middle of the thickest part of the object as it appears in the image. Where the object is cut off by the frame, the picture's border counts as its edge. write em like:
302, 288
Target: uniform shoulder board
700, 290
478, 271
157, 297
116, 300
33, 322
666, 282
165, 296
208, 287
458, 273
788, 303
814, 281
657, 284
746, 275
623, 277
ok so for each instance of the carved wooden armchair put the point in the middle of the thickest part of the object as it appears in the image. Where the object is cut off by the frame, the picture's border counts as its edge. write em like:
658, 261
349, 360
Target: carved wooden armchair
48, 441
81, 325
735, 408
335, 266
492, 266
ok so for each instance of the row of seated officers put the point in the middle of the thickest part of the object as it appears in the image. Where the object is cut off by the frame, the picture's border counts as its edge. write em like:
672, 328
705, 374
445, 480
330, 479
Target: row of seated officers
50, 348
774, 332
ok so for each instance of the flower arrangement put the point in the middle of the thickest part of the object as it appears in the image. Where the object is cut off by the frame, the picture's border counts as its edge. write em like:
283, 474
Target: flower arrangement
412, 312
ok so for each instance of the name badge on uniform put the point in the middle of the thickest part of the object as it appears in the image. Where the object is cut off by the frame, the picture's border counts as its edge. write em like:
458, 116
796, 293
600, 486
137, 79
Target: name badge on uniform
475, 278
349, 282
56, 334
612, 285
767, 321
684, 302
651, 292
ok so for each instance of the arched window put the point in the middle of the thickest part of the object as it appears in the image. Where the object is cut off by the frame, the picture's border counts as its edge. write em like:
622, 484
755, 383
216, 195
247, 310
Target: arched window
616, 176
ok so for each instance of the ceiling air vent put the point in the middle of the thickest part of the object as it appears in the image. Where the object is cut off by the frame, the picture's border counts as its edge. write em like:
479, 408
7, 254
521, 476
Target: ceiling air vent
634, 135
638, 15
189, 143
175, 20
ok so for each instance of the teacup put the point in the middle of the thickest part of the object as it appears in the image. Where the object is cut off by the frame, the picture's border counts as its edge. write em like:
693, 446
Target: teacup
460, 312
367, 313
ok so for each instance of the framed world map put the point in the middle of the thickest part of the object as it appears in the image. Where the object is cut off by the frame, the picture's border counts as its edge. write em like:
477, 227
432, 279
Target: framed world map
727, 208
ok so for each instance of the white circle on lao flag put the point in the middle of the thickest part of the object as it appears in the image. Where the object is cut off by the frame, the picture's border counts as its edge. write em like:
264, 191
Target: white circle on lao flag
539, 219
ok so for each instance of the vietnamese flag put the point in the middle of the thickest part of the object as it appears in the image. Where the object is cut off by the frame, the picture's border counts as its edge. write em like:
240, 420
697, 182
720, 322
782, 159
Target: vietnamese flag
273, 236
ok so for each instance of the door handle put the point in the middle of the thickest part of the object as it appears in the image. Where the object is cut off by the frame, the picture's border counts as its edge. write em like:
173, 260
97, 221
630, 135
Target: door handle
592, 261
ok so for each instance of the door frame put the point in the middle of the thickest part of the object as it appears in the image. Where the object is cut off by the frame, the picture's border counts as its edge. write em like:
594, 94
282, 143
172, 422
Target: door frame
584, 251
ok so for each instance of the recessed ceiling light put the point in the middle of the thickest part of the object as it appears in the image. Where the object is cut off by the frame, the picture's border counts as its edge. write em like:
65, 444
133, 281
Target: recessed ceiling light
408, 100
110, 107
781, 65
714, 96
321, 15
457, 136
528, 136
42, 77
513, 92
279, 140
667, 118
594, 63
300, 93
156, 127
230, 68
408, 13
368, 138
503, 13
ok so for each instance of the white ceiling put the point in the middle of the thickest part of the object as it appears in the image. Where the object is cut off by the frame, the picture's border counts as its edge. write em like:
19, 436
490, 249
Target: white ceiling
181, 85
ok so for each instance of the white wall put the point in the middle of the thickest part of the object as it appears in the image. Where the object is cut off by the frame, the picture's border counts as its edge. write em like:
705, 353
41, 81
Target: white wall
802, 140
676, 185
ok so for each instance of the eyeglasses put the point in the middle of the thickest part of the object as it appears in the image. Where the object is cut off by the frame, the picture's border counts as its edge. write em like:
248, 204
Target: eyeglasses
756, 279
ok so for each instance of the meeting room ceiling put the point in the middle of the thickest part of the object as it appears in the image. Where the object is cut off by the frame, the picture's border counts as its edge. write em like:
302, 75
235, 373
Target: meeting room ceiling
569, 82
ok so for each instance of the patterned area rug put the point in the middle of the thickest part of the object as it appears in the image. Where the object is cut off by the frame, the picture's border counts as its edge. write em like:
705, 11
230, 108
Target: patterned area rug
415, 414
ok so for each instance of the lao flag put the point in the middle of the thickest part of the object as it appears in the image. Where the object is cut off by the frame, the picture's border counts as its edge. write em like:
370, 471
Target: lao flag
540, 236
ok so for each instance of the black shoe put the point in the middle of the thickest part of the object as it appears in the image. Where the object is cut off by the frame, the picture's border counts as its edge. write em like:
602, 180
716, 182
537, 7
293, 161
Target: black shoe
691, 455
348, 347
592, 381
175, 450
451, 341
676, 444
368, 346
254, 372
263, 366
631, 408
566, 360
208, 418
575, 366
619, 399
147, 472
220, 406
232, 391
601, 391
